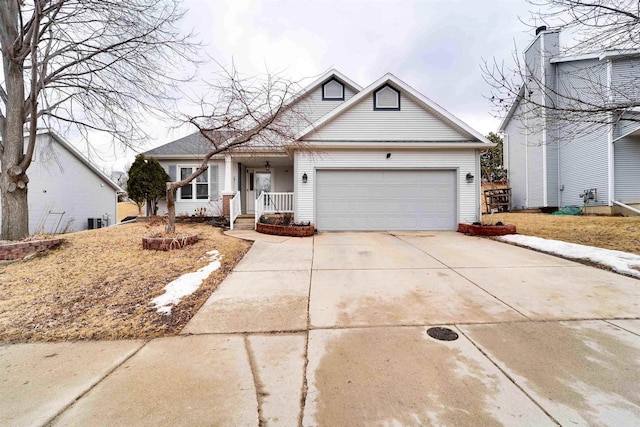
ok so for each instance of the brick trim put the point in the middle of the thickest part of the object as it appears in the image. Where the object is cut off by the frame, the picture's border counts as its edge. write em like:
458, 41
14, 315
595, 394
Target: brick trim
486, 230
168, 243
286, 230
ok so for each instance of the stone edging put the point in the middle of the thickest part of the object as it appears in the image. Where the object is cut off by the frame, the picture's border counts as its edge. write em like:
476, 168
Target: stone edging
168, 243
486, 230
286, 230
19, 250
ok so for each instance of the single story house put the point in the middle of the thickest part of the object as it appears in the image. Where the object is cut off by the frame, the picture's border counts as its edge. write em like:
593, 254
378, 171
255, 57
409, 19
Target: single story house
66, 192
552, 163
383, 157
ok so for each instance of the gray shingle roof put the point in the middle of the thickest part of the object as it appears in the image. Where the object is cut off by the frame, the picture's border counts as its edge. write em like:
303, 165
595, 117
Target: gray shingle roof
194, 144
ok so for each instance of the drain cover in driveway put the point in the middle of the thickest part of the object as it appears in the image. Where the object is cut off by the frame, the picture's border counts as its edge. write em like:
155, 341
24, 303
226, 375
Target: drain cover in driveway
442, 334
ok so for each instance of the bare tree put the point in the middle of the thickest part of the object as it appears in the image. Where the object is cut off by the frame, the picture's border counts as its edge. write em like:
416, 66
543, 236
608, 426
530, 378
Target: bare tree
247, 114
584, 100
93, 64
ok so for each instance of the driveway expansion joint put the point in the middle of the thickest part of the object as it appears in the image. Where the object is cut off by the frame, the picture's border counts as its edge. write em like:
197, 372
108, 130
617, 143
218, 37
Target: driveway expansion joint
51, 420
506, 374
257, 383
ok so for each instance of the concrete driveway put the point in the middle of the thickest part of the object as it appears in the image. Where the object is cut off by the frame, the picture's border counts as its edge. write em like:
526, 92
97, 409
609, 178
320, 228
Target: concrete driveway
332, 330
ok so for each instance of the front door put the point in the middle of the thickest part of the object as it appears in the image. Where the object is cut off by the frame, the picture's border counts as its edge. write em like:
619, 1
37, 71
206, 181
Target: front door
258, 182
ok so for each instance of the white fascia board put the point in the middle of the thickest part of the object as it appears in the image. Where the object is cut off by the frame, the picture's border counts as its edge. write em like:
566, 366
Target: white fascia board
512, 110
570, 58
388, 145
608, 54
70, 148
324, 77
238, 152
532, 42
390, 78
634, 132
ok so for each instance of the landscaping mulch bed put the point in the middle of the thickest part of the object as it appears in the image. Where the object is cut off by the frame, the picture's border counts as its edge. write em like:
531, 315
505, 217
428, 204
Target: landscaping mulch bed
99, 284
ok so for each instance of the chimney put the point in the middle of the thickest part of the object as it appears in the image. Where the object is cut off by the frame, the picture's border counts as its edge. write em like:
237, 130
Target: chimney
541, 29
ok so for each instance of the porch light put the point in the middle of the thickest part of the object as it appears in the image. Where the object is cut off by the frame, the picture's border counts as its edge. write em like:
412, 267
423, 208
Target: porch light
267, 166
304, 178
469, 177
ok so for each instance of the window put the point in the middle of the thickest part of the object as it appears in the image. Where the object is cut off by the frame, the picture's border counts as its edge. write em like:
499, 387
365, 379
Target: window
386, 98
199, 186
333, 90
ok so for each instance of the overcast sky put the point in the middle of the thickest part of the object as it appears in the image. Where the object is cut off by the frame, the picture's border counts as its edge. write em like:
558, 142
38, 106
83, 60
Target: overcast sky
435, 46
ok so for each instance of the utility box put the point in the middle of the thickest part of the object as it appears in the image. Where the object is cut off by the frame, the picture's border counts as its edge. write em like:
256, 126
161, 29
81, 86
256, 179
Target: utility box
94, 223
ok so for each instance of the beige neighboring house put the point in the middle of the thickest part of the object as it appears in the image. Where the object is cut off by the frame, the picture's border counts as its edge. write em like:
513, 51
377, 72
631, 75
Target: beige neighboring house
382, 157
67, 192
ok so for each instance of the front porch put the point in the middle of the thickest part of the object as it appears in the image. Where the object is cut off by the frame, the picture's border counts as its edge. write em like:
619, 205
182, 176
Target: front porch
257, 185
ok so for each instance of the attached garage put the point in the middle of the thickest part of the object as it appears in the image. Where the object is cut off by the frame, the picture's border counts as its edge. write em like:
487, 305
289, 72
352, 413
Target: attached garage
375, 199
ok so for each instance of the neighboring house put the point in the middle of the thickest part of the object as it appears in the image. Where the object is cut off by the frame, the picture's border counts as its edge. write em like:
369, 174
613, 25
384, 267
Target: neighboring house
555, 163
66, 191
384, 157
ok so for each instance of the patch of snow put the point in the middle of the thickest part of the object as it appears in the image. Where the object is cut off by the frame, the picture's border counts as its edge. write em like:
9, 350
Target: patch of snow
622, 262
185, 285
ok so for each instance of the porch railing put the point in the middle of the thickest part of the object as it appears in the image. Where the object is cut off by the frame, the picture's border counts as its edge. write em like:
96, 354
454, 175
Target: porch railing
273, 203
234, 209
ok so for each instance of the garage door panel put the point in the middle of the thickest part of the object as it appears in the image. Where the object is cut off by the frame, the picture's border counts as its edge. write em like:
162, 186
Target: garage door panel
385, 200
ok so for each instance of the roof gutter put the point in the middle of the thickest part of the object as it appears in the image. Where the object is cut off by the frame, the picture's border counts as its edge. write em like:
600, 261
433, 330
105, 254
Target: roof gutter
402, 145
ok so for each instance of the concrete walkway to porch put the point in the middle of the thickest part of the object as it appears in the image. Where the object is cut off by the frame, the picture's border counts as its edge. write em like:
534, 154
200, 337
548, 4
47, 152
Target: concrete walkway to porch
331, 330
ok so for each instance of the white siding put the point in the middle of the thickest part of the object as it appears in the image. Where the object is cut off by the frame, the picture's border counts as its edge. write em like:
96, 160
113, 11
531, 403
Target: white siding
312, 106
362, 123
583, 148
551, 48
625, 79
627, 169
189, 207
516, 152
64, 192
282, 179
535, 159
463, 161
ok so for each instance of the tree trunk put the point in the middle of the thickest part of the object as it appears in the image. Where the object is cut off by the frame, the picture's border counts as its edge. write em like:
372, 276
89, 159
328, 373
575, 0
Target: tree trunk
13, 181
15, 210
171, 208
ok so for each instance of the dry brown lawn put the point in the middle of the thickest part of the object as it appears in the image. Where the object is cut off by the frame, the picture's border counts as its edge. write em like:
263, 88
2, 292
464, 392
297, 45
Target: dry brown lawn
99, 285
126, 209
609, 232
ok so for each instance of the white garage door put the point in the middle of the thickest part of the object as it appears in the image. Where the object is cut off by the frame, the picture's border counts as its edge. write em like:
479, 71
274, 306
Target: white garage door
385, 200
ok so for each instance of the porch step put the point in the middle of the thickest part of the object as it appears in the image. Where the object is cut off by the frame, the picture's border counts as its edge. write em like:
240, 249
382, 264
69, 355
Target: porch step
244, 223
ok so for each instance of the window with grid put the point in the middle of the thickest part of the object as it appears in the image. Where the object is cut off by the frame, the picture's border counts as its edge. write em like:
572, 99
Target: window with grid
198, 187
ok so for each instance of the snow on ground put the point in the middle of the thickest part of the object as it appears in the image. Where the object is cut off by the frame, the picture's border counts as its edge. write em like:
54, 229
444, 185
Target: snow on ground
622, 262
185, 285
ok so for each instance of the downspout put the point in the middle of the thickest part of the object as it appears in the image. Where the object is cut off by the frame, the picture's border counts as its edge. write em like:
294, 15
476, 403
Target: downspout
632, 209
526, 160
610, 152
543, 79
560, 184
478, 187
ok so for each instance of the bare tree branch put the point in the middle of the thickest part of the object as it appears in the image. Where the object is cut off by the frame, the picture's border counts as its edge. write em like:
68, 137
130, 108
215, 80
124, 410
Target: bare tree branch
577, 99
94, 64
243, 114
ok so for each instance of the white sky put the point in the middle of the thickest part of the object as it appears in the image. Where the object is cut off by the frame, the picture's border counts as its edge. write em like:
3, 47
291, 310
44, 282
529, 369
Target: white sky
435, 46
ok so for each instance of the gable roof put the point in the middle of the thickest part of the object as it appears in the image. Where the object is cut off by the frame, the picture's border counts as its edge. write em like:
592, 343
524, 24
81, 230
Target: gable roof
422, 100
195, 145
322, 79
